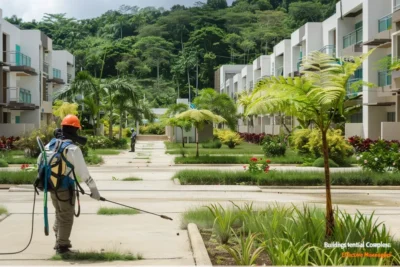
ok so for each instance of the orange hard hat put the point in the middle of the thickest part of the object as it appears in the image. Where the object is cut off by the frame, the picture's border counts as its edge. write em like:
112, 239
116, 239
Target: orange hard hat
71, 120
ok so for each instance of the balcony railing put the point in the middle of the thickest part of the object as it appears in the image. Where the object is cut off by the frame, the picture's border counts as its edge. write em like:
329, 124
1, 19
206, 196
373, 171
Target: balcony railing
349, 90
396, 5
353, 38
19, 95
329, 50
299, 62
69, 78
385, 23
17, 58
251, 85
45, 67
56, 73
384, 78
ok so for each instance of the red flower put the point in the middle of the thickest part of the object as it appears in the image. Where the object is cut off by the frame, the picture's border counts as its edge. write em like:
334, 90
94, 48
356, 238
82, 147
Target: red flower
268, 161
254, 159
244, 166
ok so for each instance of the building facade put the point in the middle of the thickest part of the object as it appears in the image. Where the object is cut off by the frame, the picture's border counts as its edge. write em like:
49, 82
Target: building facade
30, 72
357, 27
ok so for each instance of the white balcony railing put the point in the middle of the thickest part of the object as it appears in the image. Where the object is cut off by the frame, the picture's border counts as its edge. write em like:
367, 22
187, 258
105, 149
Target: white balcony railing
329, 50
16, 58
19, 95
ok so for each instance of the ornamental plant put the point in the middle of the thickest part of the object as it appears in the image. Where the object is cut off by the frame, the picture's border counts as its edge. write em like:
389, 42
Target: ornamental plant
229, 138
274, 146
258, 165
381, 157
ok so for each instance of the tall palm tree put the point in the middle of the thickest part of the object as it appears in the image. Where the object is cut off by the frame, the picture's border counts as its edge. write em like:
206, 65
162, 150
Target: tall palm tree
320, 90
84, 84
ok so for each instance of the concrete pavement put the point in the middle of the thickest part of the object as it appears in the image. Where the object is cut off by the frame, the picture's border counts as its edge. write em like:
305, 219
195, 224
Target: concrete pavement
153, 237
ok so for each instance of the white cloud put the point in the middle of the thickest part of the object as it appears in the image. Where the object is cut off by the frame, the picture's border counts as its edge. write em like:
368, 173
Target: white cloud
35, 9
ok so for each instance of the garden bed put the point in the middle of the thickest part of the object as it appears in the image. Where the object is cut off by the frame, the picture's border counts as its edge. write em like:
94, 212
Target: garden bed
290, 159
288, 236
286, 178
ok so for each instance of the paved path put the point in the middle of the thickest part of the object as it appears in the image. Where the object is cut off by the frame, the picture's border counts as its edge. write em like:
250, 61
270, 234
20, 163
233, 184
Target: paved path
154, 238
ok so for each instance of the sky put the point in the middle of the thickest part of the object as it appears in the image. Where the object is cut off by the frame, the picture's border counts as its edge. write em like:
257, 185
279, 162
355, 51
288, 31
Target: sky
80, 9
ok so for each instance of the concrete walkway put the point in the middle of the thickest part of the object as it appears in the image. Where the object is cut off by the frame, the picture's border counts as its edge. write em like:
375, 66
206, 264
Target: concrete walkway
152, 237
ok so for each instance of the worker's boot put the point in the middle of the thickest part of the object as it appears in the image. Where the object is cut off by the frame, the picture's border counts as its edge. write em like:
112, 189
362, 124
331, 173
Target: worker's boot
65, 250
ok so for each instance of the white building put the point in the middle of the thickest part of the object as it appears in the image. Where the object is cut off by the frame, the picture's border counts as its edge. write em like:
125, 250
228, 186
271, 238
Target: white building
27, 78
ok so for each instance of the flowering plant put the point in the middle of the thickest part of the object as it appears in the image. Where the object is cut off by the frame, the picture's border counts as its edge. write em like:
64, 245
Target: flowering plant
381, 157
258, 165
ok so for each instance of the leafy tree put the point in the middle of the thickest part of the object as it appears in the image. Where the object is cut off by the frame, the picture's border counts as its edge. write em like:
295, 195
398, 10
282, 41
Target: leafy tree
219, 104
199, 118
169, 118
61, 109
321, 89
217, 4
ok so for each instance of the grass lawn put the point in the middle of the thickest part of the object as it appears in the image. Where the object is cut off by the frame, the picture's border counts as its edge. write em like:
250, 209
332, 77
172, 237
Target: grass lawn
105, 151
287, 178
190, 149
17, 177
116, 211
132, 179
290, 158
97, 256
3, 210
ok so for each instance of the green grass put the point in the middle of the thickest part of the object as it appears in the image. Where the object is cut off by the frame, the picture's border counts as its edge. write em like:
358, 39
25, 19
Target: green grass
190, 149
93, 159
19, 160
3, 210
290, 158
287, 178
295, 236
105, 151
17, 177
97, 256
116, 211
3, 163
132, 179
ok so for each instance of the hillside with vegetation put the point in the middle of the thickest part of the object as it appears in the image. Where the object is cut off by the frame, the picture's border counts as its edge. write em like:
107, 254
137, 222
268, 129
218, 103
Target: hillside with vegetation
168, 51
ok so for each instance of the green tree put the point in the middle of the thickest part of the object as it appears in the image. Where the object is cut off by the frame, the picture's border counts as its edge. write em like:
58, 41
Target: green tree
199, 118
169, 118
217, 4
321, 89
219, 104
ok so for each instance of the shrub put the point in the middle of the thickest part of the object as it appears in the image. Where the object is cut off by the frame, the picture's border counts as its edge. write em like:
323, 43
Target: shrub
8, 142
258, 165
319, 162
229, 138
3, 163
28, 143
252, 137
97, 142
152, 128
274, 146
310, 140
223, 222
212, 144
382, 156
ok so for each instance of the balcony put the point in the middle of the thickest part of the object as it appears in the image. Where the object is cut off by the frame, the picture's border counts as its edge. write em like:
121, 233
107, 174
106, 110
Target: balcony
384, 78
45, 67
329, 50
349, 90
19, 63
396, 5
69, 78
56, 77
385, 23
19, 99
353, 38
299, 63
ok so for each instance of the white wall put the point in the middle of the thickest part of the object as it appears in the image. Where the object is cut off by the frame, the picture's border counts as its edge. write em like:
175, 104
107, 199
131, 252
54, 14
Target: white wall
348, 6
390, 130
247, 72
15, 129
266, 66
313, 37
353, 129
373, 11
283, 50
328, 26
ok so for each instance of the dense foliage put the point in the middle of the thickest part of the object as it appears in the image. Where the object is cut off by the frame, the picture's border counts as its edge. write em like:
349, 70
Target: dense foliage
164, 49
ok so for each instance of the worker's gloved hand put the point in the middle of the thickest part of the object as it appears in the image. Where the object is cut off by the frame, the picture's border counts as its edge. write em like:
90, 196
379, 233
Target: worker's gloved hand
93, 189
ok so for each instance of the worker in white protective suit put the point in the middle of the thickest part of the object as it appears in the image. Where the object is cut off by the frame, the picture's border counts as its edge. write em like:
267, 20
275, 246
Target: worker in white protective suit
67, 138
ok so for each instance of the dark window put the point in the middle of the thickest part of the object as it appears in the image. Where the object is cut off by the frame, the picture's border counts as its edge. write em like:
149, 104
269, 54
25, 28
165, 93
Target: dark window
391, 116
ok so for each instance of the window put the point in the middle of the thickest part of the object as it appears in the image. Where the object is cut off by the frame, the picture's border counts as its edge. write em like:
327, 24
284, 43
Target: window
391, 116
356, 118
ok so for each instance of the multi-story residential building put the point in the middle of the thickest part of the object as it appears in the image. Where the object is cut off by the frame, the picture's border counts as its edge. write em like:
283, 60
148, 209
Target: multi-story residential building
27, 78
223, 74
355, 28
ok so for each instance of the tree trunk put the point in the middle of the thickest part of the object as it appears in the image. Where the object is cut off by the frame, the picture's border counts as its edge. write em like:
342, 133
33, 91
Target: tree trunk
121, 119
330, 223
110, 126
189, 86
97, 123
183, 141
197, 143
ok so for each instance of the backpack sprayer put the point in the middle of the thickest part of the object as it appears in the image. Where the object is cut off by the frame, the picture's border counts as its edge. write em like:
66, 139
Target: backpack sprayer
48, 181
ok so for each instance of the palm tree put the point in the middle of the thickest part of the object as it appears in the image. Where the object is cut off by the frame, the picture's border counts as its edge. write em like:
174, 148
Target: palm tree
199, 118
220, 104
320, 90
87, 86
115, 90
